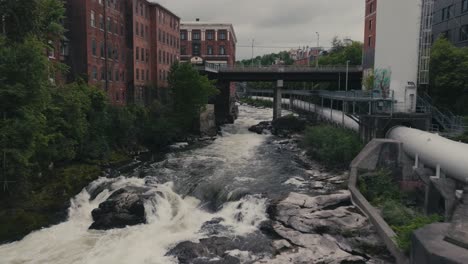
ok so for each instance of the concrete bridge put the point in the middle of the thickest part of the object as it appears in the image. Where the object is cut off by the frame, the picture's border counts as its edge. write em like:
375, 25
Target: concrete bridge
350, 77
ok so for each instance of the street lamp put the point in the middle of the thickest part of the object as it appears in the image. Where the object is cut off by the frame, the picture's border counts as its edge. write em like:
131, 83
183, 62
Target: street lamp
347, 71
318, 50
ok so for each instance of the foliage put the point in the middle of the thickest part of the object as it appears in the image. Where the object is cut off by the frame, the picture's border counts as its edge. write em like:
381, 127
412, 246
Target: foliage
381, 190
336, 147
448, 76
404, 232
368, 82
378, 187
343, 51
190, 92
268, 59
257, 102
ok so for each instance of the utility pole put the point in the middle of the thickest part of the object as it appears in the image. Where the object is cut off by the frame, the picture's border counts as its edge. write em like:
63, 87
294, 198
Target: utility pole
318, 50
106, 74
253, 42
347, 71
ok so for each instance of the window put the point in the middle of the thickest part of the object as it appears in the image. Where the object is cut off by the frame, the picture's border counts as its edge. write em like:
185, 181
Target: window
136, 8
196, 35
116, 76
103, 74
369, 41
164, 57
93, 47
137, 29
137, 53
444, 10
446, 13
449, 12
147, 56
147, 75
222, 34
183, 35
160, 56
109, 24
95, 74
222, 50
196, 50
101, 22
146, 31
137, 74
210, 50
103, 54
370, 24
464, 6
142, 75
109, 52
93, 19
464, 33
371, 8
141, 9
110, 75
183, 50
210, 35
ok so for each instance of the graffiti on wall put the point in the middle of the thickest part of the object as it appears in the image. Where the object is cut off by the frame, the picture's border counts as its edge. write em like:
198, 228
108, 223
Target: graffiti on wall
382, 78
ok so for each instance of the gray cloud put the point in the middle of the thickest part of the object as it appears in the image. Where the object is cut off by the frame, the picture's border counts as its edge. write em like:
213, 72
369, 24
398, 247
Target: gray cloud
277, 23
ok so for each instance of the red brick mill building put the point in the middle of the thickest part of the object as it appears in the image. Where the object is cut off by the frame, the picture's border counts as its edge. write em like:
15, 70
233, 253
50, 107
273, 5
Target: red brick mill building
126, 47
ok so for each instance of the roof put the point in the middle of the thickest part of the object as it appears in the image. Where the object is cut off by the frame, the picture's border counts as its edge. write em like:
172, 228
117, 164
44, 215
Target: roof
213, 25
162, 7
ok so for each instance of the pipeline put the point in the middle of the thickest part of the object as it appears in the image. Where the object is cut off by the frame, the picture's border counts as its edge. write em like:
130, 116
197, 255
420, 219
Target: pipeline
433, 150
449, 156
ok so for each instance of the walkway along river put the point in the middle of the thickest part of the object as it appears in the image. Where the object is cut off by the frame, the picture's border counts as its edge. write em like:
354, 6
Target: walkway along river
244, 198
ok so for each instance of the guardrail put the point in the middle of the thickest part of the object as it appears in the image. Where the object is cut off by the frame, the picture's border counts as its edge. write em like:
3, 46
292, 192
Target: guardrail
352, 95
281, 68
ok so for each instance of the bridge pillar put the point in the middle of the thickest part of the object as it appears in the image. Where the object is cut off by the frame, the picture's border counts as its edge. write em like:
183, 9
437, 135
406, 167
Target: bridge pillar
277, 100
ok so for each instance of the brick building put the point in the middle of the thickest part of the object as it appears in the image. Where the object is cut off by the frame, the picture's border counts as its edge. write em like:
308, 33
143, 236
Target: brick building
112, 45
208, 43
304, 56
369, 36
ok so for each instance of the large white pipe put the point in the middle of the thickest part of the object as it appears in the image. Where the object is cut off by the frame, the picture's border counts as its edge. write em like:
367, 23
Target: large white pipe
331, 115
434, 150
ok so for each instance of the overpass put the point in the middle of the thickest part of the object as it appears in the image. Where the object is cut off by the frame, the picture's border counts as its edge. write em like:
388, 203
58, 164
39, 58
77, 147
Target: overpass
343, 76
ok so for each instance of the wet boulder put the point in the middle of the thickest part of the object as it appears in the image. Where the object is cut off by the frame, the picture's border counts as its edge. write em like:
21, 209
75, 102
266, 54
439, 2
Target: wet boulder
287, 125
260, 127
125, 207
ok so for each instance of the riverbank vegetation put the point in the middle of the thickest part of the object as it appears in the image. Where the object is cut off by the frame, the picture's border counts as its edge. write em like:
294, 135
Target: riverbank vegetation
335, 147
55, 138
382, 192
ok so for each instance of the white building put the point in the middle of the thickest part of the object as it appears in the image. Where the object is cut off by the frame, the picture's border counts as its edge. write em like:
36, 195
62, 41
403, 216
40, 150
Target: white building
397, 50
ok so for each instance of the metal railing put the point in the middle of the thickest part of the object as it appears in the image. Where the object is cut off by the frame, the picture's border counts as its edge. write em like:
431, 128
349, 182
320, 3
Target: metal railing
280, 68
450, 123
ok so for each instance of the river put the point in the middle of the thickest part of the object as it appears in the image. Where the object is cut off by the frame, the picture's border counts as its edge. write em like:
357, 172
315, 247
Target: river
220, 189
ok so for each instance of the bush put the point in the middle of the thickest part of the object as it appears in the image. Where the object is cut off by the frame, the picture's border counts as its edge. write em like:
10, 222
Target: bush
334, 146
379, 187
404, 232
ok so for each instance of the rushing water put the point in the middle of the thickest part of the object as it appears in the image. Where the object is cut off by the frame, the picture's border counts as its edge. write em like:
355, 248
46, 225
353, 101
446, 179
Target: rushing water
234, 176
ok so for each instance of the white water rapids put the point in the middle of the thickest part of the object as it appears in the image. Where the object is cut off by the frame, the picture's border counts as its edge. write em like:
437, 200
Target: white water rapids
171, 217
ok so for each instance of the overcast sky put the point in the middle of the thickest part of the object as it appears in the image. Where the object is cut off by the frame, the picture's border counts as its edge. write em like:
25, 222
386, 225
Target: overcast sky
277, 23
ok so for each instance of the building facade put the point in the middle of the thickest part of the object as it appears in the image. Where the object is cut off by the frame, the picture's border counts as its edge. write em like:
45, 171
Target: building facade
208, 43
112, 46
304, 56
450, 19
369, 36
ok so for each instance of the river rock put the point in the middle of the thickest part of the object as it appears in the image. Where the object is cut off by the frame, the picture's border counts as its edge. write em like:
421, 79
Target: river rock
260, 127
125, 207
220, 249
339, 220
314, 248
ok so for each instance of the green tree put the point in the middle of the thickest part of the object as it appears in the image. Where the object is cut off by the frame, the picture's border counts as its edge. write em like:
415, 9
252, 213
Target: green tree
449, 76
190, 92
343, 51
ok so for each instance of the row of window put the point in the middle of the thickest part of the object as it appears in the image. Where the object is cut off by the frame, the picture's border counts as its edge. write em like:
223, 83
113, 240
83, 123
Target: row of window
166, 57
144, 54
112, 52
112, 26
141, 30
114, 76
462, 33
141, 9
163, 75
141, 76
116, 4
168, 39
447, 12
209, 35
196, 50
371, 8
